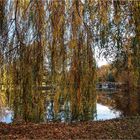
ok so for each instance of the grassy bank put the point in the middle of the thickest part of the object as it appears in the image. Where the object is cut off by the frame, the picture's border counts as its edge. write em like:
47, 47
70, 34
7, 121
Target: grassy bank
126, 128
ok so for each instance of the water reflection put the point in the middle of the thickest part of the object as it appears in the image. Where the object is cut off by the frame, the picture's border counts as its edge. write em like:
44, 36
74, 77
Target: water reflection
110, 105
6, 115
128, 103
106, 113
64, 113
103, 113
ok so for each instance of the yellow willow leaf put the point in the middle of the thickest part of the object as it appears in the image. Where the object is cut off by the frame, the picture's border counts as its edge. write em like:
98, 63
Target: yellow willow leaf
92, 16
117, 18
91, 2
56, 101
73, 43
61, 21
24, 4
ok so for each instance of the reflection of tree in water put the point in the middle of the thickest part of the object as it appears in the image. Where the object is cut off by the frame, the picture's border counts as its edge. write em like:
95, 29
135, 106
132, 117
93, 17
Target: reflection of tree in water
5, 115
5, 112
2, 104
64, 111
128, 103
2, 114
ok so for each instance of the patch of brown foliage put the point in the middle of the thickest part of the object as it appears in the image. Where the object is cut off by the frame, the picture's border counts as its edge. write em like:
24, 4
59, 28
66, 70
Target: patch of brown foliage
128, 128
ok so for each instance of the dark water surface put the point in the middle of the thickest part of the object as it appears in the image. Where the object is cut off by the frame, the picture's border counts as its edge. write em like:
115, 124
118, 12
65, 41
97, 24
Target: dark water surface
109, 105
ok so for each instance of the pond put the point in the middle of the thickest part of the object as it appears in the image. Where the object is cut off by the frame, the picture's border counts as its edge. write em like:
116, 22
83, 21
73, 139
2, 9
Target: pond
109, 105
103, 113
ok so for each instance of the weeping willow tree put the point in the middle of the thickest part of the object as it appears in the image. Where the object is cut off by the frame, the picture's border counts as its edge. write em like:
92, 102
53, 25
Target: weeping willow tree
23, 58
131, 46
82, 71
59, 38
3, 42
51, 35
136, 40
119, 39
71, 57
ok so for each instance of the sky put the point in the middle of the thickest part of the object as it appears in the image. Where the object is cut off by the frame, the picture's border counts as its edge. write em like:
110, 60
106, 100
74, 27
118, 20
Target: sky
100, 60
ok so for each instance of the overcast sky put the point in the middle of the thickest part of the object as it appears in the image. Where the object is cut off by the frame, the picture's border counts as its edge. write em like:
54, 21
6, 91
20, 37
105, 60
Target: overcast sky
101, 62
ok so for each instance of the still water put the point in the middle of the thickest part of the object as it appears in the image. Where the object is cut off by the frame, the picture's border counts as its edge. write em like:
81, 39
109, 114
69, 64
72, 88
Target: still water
103, 113
109, 105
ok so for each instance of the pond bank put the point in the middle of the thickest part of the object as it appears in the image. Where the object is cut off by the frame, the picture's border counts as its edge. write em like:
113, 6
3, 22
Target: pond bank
126, 128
